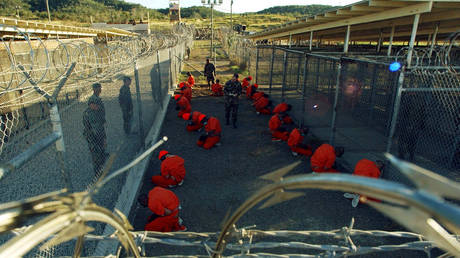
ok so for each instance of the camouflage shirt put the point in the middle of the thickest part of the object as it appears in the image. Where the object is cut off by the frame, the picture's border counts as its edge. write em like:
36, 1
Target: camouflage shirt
94, 120
232, 90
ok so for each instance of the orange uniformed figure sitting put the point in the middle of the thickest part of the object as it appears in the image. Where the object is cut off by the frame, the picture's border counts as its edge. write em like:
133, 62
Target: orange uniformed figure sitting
165, 206
251, 90
296, 144
186, 91
366, 168
323, 160
283, 108
257, 95
278, 132
212, 132
246, 82
263, 105
190, 80
194, 121
172, 170
182, 104
217, 89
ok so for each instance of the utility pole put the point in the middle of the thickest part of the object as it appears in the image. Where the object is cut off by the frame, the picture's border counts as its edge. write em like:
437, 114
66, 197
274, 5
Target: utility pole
48, 9
231, 15
212, 3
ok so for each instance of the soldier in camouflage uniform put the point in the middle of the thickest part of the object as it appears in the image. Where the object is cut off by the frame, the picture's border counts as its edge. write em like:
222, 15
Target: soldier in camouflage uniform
126, 104
94, 129
232, 90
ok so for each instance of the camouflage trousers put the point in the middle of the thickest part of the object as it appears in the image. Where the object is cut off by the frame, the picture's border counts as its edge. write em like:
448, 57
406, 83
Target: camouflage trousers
127, 119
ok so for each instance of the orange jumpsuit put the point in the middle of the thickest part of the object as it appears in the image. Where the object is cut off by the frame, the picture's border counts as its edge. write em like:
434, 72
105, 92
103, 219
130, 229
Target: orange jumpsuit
367, 168
184, 106
275, 125
187, 92
257, 95
172, 172
261, 105
323, 159
195, 124
213, 131
282, 108
217, 90
191, 81
159, 199
244, 84
250, 91
295, 141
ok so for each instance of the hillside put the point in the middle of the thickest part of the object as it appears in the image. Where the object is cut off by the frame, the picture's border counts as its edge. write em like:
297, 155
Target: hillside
304, 10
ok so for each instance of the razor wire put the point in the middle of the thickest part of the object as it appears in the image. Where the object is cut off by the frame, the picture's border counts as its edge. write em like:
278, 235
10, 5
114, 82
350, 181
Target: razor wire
46, 61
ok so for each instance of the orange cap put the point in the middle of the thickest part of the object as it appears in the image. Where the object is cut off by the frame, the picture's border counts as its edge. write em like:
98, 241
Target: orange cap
255, 85
201, 117
186, 116
182, 85
176, 97
250, 77
162, 153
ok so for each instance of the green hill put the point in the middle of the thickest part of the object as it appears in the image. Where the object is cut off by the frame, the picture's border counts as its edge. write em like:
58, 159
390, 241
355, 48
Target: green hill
298, 10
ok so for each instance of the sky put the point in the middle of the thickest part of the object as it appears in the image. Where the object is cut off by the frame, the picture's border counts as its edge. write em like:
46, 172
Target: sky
241, 6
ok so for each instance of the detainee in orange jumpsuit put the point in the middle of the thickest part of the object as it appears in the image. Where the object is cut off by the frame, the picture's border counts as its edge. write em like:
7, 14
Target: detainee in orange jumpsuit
246, 82
217, 89
194, 122
257, 95
251, 90
186, 91
263, 105
190, 80
323, 159
183, 105
296, 144
366, 168
283, 108
279, 133
165, 206
212, 132
172, 170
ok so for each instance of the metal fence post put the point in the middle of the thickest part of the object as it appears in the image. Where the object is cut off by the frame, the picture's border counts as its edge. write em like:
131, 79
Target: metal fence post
159, 80
257, 63
139, 104
285, 62
171, 83
317, 74
299, 65
305, 71
396, 109
336, 100
271, 68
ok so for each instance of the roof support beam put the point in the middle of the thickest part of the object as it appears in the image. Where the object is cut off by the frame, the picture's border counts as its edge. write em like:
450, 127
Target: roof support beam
392, 34
388, 14
310, 44
412, 39
383, 3
347, 40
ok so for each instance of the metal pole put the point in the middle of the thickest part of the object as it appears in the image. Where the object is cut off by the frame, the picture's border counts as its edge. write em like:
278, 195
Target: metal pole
347, 40
271, 68
283, 86
395, 110
305, 70
257, 63
433, 39
159, 80
231, 14
412, 39
379, 44
390, 44
139, 104
212, 29
336, 100
310, 47
299, 65
48, 10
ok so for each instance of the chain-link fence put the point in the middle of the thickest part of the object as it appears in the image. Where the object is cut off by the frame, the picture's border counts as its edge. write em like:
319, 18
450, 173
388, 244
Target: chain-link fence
49, 95
350, 100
